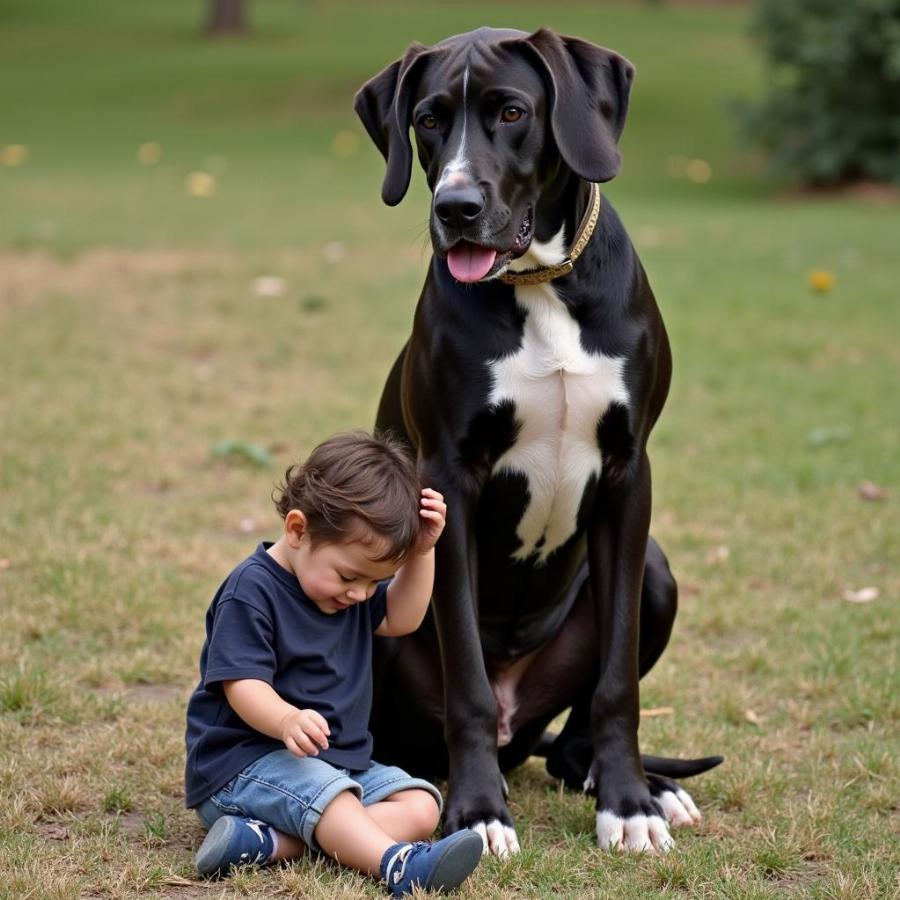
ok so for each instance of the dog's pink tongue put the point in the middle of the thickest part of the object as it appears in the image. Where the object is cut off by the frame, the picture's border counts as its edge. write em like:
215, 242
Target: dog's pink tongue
469, 262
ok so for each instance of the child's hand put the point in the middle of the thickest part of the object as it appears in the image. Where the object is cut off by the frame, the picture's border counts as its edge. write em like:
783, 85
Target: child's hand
304, 732
434, 512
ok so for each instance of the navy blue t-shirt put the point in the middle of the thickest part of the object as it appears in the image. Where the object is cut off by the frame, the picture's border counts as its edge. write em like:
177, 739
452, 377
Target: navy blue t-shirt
261, 625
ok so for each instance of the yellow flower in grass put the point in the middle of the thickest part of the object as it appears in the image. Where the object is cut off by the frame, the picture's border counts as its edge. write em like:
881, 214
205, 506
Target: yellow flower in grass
699, 171
821, 280
14, 155
200, 184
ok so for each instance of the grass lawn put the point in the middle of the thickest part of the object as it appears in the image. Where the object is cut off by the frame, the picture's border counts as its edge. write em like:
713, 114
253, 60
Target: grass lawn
133, 342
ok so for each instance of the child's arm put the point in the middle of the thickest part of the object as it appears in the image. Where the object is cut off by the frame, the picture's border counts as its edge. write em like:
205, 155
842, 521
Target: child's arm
409, 593
304, 731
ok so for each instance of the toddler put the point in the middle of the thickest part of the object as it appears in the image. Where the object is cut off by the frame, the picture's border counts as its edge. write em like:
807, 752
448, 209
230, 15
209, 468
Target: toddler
278, 747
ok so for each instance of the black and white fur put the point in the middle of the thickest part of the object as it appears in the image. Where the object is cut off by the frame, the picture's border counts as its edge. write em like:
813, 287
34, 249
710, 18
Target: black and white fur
529, 408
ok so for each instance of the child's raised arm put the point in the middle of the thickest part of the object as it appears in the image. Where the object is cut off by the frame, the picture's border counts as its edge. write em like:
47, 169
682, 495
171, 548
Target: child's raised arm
410, 592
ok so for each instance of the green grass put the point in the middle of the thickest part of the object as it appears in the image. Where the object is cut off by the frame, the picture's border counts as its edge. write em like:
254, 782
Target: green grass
133, 343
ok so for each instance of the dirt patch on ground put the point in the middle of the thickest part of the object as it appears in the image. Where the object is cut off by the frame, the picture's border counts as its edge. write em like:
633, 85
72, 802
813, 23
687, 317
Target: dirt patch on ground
25, 277
52, 831
878, 193
154, 693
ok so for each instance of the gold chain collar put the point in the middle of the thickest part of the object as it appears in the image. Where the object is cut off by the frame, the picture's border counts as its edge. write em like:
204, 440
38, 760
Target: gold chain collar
582, 236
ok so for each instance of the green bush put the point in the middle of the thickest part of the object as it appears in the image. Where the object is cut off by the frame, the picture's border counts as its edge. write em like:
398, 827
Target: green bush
832, 110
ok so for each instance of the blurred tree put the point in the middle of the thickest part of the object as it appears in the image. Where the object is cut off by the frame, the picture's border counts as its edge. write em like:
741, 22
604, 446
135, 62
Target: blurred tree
832, 110
226, 17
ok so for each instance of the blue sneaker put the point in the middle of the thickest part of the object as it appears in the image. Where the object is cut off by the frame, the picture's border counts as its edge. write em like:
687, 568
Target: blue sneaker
440, 866
234, 841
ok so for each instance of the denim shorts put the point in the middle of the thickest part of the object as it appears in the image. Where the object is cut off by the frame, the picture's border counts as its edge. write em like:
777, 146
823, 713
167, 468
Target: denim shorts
291, 793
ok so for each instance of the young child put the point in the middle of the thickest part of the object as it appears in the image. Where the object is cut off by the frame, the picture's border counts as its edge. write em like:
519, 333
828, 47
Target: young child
278, 747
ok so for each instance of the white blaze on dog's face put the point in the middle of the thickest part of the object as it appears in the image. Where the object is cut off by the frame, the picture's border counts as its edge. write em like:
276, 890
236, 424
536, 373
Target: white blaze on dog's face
477, 116
560, 393
457, 171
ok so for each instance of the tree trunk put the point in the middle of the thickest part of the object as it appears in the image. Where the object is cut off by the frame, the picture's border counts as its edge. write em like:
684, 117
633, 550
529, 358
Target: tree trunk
226, 17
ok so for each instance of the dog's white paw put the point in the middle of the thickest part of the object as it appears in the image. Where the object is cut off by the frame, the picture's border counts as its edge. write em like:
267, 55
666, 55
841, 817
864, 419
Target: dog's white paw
641, 833
499, 839
679, 808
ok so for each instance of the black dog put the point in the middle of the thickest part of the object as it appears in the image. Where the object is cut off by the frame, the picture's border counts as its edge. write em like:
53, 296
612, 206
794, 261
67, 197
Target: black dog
528, 399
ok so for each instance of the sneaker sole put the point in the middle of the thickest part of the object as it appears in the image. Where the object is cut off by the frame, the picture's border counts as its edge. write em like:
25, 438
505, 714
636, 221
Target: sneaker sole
457, 863
209, 856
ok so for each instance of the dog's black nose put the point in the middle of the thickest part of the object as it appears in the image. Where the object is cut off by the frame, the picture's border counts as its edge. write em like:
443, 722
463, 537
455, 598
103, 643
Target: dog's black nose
458, 206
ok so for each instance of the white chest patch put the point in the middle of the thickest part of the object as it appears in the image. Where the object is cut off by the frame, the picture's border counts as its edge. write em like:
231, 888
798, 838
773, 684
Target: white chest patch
560, 392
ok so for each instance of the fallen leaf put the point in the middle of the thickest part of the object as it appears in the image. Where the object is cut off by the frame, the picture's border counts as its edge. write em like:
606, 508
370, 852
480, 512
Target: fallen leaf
657, 711
752, 717
759, 584
268, 286
200, 184
699, 171
863, 595
717, 555
868, 490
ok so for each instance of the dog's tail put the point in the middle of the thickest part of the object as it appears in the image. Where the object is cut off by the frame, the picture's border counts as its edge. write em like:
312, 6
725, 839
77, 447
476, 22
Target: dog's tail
653, 765
679, 768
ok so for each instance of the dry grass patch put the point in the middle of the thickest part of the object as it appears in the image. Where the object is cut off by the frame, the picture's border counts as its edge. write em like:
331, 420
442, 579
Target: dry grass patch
126, 369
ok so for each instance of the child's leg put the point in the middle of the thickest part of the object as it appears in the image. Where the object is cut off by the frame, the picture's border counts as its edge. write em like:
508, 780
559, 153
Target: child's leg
348, 833
240, 840
287, 846
408, 815
269, 811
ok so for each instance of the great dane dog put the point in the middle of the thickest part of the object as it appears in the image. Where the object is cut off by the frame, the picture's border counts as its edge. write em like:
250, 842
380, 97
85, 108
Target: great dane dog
537, 365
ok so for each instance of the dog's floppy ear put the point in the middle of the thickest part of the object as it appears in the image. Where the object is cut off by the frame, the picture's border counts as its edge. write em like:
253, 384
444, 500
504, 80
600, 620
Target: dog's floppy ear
383, 104
588, 89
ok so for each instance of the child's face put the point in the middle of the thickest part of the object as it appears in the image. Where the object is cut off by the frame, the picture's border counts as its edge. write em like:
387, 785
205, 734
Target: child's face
336, 576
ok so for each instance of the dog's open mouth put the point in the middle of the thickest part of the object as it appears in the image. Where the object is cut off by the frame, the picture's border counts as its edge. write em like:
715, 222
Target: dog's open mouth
470, 262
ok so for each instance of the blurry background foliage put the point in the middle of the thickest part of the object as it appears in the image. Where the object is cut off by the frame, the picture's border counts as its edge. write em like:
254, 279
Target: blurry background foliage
831, 112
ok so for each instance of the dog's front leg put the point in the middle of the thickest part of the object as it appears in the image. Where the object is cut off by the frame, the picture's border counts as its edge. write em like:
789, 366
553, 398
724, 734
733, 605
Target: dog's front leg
627, 815
475, 787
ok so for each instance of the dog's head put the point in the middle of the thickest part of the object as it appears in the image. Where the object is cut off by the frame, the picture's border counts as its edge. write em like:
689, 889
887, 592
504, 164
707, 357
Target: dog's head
500, 117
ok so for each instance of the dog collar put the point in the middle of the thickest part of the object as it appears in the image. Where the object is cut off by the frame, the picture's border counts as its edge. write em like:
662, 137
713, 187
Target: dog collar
582, 236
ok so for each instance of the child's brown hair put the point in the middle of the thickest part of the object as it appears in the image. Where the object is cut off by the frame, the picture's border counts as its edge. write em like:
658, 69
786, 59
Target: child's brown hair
355, 479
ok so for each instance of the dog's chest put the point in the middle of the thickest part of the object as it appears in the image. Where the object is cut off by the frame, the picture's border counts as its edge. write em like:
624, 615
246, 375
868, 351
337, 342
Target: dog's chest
560, 392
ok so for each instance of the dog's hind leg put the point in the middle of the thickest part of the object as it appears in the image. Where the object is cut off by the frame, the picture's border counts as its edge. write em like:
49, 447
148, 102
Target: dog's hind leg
659, 604
407, 709
569, 755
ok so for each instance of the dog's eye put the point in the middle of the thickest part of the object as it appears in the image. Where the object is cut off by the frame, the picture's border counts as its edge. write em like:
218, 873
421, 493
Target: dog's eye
511, 114
428, 122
